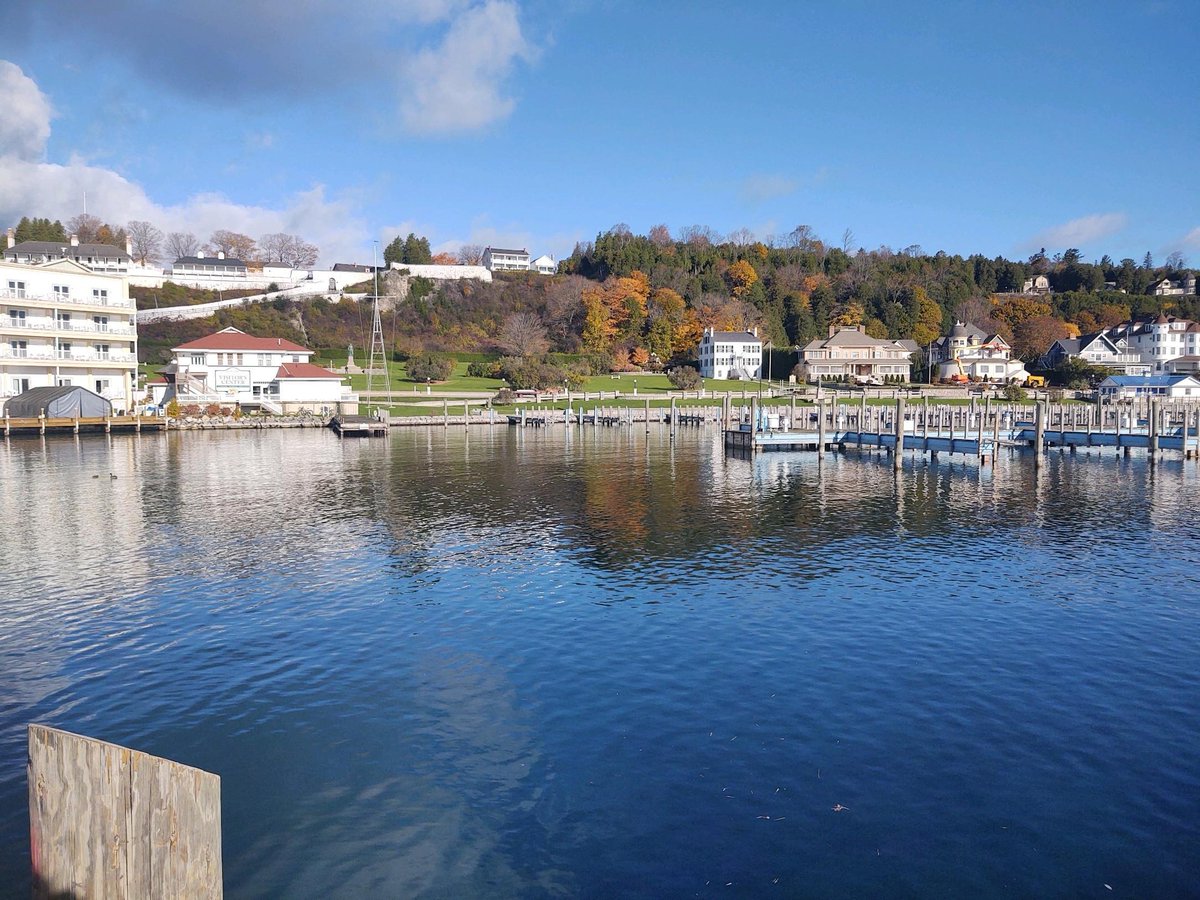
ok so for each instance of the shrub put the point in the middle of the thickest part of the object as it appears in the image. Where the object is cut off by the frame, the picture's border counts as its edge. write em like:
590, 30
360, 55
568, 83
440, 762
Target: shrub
212, 409
1015, 393
484, 369
684, 377
173, 409
192, 409
427, 367
504, 396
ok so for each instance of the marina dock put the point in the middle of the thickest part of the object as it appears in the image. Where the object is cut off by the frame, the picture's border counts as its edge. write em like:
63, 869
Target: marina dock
358, 426
98, 424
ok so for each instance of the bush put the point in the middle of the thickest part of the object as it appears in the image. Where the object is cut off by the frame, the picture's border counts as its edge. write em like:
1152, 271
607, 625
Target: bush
212, 409
192, 410
173, 409
484, 369
1015, 393
427, 367
504, 396
684, 377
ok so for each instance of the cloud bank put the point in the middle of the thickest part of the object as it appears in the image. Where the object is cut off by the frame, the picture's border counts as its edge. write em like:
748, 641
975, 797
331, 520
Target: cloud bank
29, 186
447, 63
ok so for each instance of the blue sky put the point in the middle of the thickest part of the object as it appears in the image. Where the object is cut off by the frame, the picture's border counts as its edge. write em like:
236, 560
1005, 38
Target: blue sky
969, 127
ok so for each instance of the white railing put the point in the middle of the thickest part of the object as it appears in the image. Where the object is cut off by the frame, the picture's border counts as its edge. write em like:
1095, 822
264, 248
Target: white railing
71, 356
67, 300
74, 327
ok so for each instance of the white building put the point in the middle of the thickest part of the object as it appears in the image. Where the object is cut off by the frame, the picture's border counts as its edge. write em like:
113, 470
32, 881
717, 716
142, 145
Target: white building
731, 354
544, 265
63, 324
1163, 339
496, 259
849, 352
1168, 288
202, 267
103, 258
1038, 284
968, 352
1097, 349
234, 368
1126, 387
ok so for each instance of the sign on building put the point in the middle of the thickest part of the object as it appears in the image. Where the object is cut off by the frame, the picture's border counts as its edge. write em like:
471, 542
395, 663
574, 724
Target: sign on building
231, 379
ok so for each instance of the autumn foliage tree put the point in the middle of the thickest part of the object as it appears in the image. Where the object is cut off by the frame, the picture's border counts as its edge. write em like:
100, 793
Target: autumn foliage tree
740, 277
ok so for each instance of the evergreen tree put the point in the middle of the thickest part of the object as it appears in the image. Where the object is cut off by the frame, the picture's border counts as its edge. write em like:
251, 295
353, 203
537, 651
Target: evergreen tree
394, 252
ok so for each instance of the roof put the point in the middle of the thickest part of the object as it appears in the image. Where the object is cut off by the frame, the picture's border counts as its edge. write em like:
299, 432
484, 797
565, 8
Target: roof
502, 250
352, 267
1145, 380
64, 248
304, 370
966, 329
910, 345
744, 337
233, 339
215, 261
852, 337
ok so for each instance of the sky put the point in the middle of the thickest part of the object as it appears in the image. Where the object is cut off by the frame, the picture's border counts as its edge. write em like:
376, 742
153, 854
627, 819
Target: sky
990, 127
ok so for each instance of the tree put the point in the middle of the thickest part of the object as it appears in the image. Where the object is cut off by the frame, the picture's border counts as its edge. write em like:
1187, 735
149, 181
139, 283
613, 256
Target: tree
427, 367
233, 244
84, 226
804, 238
39, 230
416, 250
1033, 336
1147, 261
740, 277
847, 241
686, 378
444, 259
394, 251
660, 236
699, 236
181, 243
741, 237
523, 334
470, 255
145, 240
1176, 261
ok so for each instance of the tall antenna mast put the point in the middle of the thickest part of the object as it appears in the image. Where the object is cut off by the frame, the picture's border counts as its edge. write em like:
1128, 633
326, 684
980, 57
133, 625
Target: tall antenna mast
378, 350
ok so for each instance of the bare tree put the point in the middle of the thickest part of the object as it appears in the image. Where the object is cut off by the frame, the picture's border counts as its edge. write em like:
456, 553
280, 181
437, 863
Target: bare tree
847, 241
523, 334
742, 237
234, 244
273, 246
145, 240
470, 255
565, 310
699, 235
660, 236
181, 243
1176, 261
804, 238
84, 226
299, 254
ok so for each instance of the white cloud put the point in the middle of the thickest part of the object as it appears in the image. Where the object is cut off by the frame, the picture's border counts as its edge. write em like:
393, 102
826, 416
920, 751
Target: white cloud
458, 84
25, 119
1078, 232
1191, 240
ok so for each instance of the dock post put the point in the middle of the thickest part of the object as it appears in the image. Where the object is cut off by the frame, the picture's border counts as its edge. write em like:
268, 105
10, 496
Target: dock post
522, 417
898, 456
821, 429
673, 418
1153, 421
753, 423
1039, 433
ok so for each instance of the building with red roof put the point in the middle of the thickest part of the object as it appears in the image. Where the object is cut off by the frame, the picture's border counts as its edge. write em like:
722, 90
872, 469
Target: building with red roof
231, 368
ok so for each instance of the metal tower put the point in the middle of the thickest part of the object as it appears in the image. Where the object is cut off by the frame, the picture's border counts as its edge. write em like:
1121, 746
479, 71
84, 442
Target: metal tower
377, 376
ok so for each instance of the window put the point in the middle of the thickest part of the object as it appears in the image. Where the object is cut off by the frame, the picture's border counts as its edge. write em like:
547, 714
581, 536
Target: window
16, 318
17, 289
101, 322
102, 351
197, 359
61, 292
62, 319
19, 348
100, 295
101, 385
21, 384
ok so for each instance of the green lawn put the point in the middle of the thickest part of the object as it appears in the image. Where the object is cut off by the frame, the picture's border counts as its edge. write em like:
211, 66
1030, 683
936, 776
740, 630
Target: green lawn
458, 381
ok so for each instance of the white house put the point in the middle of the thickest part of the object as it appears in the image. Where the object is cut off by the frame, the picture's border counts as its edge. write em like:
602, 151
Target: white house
1124, 387
497, 259
234, 368
849, 352
64, 324
1097, 349
968, 351
1168, 288
103, 258
731, 354
1038, 284
1163, 339
202, 267
544, 265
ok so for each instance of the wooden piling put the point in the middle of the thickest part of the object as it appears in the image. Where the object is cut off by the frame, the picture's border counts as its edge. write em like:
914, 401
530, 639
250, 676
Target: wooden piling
1039, 439
821, 429
107, 821
898, 456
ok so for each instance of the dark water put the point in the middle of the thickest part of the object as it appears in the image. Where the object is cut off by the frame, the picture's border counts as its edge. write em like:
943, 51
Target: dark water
596, 665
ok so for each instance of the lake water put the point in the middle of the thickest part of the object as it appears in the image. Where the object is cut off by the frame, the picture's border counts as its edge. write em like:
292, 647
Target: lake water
599, 664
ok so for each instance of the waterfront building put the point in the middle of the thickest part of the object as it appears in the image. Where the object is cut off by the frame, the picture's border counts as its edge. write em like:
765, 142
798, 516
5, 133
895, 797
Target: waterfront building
101, 258
849, 352
731, 354
61, 323
1174, 287
497, 259
232, 368
1098, 349
969, 352
1127, 387
1160, 340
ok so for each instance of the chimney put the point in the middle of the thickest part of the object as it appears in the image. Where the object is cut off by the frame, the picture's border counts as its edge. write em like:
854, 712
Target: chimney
220, 254
12, 238
754, 331
129, 247
74, 240
199, 254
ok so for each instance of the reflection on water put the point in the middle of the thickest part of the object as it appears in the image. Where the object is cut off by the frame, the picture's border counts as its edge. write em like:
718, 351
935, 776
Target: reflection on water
547, 663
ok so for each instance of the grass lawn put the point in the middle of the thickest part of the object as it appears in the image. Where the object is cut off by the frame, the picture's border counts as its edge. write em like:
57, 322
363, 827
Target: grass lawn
458, 381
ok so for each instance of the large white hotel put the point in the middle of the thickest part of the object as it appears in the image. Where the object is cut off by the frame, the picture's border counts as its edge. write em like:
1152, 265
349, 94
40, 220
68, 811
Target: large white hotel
63, 324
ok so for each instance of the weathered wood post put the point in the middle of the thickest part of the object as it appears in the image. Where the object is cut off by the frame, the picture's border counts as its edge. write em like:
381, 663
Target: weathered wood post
673, 418
898, 457
647, 415
445, 413
820, 428
1153, 422
1039, 432
107, 821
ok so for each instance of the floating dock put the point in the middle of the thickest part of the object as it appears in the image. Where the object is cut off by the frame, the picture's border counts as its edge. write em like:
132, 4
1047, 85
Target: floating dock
358, 426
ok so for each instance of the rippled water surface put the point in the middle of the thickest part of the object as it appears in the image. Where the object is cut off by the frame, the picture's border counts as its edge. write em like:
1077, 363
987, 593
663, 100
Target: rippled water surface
596, 664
